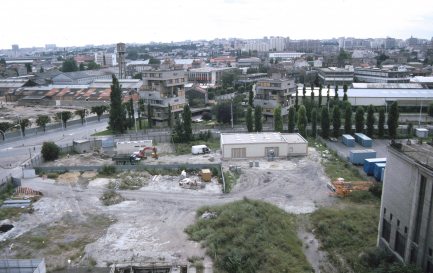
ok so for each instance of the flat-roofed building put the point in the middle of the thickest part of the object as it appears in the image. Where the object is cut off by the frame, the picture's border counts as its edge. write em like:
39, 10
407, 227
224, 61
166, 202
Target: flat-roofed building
208, 75
406, 215
335, 76
273, 92
262, 145
381, 75
161, 88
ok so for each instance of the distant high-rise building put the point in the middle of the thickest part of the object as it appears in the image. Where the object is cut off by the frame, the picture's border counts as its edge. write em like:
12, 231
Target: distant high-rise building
50, 46
277, 43
15, 50
105, 59
121, 50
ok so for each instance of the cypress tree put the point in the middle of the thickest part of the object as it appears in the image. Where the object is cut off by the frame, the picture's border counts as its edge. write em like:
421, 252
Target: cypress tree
336, 121
187, 123
381, 123
324, 123
296, 99
169, 116
393, 120
258, 119
278, 120
304, 93
359, 120
370, 121
312, 98
314, 122
320, 96
336, 98
345, 98
149, 115
249, 119
348, 118
291, 125
117, 117
250, 98
302, 121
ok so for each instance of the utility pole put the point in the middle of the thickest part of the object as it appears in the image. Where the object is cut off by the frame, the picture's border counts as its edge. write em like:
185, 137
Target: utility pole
231, 112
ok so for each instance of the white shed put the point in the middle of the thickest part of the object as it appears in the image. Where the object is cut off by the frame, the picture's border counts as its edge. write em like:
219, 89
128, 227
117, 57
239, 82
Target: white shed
259, 145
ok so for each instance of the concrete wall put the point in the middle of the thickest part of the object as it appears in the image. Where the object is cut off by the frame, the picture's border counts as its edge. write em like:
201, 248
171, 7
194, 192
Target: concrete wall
400, 198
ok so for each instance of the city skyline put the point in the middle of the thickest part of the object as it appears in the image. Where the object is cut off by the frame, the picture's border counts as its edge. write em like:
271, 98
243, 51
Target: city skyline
82, 22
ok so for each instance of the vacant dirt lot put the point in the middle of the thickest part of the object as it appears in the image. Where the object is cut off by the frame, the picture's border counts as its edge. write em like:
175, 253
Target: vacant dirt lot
149, 225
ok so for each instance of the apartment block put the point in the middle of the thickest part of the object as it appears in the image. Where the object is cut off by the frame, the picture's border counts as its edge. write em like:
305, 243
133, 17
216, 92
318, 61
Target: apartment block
273, 92
163, 87
406, 217
335, 76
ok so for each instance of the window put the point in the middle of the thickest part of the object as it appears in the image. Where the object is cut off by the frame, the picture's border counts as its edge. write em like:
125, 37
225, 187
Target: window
386, 230
274, 150
430, 252
400, 244
384, 211
405, 229
390, 217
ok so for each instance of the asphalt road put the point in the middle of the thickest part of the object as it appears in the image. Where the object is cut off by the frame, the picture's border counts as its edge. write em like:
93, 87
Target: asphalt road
15, 154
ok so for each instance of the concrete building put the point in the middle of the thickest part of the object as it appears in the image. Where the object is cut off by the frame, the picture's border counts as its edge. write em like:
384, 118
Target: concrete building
406, 215
273, 92
23, 266
396, 75
161, 88
252, 62
105, 59
335, 76
121, 50
207, 75
262, 145
277, 43
286, 55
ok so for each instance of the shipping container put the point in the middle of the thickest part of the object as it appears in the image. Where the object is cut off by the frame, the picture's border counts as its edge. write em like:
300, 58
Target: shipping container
378, 170
357, 157
421, 132
348, 140
363, 140
369, 164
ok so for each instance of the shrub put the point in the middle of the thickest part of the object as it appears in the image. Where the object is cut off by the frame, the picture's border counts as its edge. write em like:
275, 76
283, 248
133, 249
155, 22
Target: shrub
107, 170
50, 151
376, 190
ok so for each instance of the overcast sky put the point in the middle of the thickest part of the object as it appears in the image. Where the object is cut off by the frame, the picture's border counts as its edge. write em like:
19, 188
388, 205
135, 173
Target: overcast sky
80, 22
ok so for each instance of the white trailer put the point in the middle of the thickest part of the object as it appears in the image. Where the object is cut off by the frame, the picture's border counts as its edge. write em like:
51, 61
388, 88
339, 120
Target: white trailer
200, 149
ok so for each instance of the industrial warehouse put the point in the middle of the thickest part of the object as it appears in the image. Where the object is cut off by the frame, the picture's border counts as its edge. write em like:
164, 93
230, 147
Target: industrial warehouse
262, 145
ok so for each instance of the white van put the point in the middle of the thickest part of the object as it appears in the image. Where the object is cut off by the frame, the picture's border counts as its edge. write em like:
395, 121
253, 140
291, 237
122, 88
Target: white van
200, 149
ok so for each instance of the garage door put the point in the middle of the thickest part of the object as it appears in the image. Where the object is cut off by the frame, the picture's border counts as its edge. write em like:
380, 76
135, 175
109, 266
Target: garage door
239, 152
275, 149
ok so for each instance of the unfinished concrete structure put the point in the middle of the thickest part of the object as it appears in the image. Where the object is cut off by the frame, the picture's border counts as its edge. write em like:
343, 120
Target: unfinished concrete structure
406, 222
261, 145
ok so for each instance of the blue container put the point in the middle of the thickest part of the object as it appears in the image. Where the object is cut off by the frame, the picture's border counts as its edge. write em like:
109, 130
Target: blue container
348, 140
378, 167
358, 136
369, 164
357, 157
365, 141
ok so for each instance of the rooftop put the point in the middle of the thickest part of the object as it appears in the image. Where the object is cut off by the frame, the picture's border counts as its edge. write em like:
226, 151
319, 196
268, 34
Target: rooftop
420, 153
360, 85
249, 138
210, 69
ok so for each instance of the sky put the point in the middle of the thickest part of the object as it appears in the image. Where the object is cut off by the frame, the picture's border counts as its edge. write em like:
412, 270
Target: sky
31, 23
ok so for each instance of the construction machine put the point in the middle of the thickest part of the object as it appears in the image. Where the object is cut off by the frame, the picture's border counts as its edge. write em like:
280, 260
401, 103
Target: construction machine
143, 153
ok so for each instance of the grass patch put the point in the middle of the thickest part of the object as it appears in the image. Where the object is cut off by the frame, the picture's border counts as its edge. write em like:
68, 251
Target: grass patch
107, 132
348, 230
110, 197
230, 179
334, 166
107, 170
12, 213
60, 242
249, 236
185, 148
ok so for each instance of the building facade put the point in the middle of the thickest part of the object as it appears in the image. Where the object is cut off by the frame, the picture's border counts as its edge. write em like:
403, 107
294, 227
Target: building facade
207, 75
406, 216
161, 88
105, 59
381, 75
273, 92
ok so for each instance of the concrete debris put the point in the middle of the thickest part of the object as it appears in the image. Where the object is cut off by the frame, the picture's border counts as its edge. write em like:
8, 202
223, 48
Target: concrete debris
208, 215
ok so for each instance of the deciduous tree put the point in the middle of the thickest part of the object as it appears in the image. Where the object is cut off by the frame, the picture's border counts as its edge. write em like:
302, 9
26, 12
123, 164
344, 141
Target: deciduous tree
324, 123
292, 118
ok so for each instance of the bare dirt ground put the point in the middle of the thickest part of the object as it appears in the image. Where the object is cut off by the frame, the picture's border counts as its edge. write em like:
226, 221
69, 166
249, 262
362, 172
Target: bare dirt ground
149, 225
9, 112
